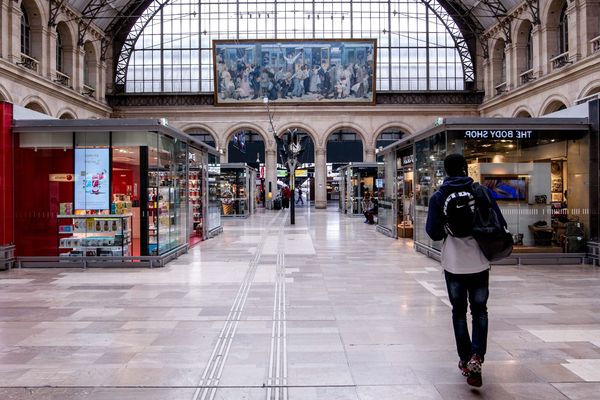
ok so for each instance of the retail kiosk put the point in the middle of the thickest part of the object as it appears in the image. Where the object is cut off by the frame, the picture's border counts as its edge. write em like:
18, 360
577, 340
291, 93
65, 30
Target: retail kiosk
355, 180
543, 173
114, 189
237, 190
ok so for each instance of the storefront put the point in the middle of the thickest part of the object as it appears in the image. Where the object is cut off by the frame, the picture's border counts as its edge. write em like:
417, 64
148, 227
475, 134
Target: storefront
237, 190
119, 189
357, 182
397, 203
542, 172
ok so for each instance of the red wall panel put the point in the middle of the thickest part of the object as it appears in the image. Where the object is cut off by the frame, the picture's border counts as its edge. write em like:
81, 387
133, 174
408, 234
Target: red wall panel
6, 175
38, 199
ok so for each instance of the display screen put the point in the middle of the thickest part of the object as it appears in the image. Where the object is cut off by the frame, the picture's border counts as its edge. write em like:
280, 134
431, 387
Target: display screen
92, 185
506, 187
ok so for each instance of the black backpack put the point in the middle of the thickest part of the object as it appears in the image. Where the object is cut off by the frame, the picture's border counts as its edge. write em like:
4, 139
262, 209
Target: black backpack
495, 241
459, 212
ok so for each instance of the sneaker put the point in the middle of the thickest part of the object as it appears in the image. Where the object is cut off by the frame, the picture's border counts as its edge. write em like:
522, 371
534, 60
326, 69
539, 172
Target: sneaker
462, 365
474, 367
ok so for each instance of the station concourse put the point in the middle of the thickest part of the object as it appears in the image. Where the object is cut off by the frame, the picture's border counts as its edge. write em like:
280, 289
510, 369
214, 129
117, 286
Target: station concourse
324, 309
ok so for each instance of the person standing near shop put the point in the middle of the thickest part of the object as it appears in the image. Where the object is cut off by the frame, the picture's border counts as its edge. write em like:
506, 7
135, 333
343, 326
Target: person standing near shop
286, 194
465, 267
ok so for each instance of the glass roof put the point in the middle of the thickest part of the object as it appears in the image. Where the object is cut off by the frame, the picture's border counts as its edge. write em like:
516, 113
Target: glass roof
170, 47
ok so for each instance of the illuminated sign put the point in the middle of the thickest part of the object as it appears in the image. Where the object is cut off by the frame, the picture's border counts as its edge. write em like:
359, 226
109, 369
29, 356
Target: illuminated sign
61, 177
301, 173
92, 187
498, 134
408, 160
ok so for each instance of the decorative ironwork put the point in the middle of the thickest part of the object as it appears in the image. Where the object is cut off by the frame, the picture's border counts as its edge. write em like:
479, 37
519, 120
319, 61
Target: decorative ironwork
160, 100
428, 98
560, 60
183, 100
595, 44
534, 7
55, 6
501, 88
456, 34
105, 43
468, 23
62, 79
90, 12
88, 91
29, 62
527, 76
132, 38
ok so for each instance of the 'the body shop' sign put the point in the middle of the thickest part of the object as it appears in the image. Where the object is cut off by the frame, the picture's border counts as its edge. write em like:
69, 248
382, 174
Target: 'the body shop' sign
498, 134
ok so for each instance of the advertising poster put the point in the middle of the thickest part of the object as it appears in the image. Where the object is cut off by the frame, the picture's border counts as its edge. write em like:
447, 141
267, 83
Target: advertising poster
92, 187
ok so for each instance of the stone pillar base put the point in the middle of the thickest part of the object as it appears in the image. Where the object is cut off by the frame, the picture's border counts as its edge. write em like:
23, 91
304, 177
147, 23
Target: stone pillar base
321, 205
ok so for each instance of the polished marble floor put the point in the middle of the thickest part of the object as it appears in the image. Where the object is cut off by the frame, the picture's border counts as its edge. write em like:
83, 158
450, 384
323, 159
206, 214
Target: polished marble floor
325, 309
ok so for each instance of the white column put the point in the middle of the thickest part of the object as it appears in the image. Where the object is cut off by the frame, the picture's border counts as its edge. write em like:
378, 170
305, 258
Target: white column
78, 69
576, 27
270, 175
511, 66
540, 56
488, 81
14, 32
50, 68
320, 178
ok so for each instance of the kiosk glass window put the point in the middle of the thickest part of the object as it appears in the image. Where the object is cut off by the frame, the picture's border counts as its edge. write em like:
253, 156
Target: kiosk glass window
197, 193
429, 175
214, 193
540, 180
386, 218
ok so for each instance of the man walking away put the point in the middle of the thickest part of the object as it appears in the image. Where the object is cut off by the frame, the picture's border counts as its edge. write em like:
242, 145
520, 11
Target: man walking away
300, 199
465, 267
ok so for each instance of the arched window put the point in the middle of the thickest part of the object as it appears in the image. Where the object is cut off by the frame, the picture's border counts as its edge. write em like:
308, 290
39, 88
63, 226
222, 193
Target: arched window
563, 31
529, 48
59, 53
25, 32
203, 136
169, 49
344, 146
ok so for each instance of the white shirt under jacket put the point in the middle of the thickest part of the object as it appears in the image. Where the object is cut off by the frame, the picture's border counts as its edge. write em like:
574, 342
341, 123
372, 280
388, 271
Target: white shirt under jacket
463, 256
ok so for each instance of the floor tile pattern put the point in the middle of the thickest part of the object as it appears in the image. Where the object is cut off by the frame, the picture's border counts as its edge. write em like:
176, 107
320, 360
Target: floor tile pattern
324, 309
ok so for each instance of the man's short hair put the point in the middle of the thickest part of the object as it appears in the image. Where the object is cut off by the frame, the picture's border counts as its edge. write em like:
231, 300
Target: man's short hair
455, 165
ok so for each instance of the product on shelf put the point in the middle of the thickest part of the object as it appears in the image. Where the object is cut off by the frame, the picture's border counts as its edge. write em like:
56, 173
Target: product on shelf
95, 235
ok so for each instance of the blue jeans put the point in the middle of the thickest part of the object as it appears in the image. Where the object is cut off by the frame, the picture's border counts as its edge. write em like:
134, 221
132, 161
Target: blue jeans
475, 288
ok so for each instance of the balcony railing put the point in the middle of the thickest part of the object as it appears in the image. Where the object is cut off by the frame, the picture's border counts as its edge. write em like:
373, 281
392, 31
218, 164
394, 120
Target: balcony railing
63, 79
29, 62
527, 76
595, 44
88, 91
560, 60
502, 88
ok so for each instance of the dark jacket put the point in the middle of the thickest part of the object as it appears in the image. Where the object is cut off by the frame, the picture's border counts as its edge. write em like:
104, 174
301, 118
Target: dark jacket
435, 215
